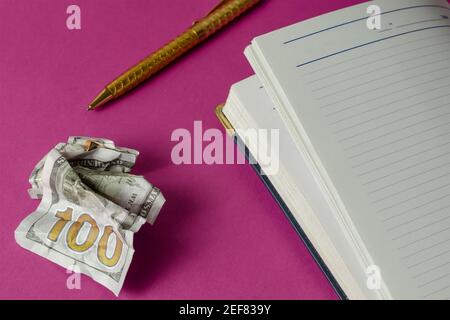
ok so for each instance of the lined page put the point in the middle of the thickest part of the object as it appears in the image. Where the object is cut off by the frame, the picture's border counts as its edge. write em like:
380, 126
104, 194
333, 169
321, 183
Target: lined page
372, 108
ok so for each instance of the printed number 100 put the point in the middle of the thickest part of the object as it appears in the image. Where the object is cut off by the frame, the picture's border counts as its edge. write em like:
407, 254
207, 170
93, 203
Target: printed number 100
65, 218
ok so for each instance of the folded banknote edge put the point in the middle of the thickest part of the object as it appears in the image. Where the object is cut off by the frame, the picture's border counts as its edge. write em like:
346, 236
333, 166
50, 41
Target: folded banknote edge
156, 208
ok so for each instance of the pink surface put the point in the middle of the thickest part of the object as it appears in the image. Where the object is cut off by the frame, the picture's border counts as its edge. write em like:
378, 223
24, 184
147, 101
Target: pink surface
220, 235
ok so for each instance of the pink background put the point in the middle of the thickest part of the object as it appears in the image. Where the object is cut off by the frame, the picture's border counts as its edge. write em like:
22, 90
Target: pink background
220, 235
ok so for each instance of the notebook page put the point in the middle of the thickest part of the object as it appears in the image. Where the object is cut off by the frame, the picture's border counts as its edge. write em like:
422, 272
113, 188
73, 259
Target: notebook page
372, 109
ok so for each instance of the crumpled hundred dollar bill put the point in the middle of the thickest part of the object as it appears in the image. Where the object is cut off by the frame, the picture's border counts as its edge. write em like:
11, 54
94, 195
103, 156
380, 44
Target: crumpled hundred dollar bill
90, 209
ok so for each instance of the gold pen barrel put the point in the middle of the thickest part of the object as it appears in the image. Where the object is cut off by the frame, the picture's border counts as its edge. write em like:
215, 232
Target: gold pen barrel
224, 13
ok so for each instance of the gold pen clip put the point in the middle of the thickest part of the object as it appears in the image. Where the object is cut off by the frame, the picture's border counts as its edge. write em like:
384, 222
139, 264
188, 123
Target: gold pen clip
221, 3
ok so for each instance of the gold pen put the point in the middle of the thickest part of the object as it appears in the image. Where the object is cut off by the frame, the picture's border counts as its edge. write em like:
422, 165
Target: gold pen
225, 12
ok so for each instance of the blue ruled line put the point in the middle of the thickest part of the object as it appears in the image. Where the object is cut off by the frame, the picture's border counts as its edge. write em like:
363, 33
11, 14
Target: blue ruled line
364, 18
368, 43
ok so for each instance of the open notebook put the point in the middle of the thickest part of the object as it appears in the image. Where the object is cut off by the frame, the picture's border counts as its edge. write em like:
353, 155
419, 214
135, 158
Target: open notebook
364, 120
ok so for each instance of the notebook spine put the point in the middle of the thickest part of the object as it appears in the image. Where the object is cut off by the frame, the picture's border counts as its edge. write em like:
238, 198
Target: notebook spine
287, 212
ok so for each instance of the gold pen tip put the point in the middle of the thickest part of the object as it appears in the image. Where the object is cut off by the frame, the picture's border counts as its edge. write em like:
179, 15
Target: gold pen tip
100, 100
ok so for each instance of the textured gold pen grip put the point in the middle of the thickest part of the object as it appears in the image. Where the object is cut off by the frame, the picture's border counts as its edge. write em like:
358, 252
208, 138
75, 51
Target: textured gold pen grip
201, 30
